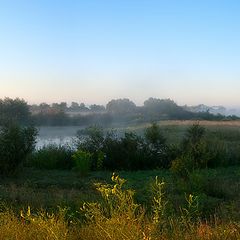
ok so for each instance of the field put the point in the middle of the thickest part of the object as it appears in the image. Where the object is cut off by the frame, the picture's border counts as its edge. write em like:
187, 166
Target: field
172, 129
55, 204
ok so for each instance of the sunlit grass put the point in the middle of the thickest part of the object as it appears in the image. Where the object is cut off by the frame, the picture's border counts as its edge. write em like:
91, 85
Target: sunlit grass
118, 216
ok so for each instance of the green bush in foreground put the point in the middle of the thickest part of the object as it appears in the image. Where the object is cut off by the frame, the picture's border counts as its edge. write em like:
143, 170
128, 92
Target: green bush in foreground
195, 152
16, 143
51, 157
82, 161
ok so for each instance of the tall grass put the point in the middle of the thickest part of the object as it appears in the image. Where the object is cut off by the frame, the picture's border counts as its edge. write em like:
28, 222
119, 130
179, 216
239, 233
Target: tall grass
118, 216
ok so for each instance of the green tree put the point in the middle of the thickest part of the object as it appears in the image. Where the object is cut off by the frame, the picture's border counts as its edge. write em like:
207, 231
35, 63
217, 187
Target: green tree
154, 137
16, 143
156, 146
121, 106
195, 152
14, 110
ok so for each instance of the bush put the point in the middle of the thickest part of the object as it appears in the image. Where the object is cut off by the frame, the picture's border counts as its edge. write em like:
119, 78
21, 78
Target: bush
156, 147
16, 143
130, 152
82, 162
52, 157
91, 140
195, 152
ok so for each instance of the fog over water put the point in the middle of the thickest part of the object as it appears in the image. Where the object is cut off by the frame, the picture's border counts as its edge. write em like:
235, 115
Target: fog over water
57, 135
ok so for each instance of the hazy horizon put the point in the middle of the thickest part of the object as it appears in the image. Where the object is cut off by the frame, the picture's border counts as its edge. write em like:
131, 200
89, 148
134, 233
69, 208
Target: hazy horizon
95, 51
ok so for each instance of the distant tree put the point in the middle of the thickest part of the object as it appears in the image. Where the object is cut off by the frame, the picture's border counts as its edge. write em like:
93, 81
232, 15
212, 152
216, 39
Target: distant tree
55, 105
160, 105
63, 106
121, 106
97, 108
74, 106
59, 106
14, 110
43, 107
157, 108
82, 107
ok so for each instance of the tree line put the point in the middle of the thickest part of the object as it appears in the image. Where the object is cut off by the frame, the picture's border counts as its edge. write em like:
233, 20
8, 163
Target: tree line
116, 110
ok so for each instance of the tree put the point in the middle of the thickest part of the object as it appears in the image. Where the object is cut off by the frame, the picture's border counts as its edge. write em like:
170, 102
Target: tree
121, 106
44, 107
97, 108
74, 106
14, 110
154, 137
82, 107
156, 146
165, 108
59, 106
16, 143
195, 152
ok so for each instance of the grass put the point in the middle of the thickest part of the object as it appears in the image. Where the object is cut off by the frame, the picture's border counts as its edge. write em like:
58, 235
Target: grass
56, 199
66, 205
48, 188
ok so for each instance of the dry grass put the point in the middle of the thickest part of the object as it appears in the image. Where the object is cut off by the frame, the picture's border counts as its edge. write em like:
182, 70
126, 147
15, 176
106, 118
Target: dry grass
54, 227
202, 122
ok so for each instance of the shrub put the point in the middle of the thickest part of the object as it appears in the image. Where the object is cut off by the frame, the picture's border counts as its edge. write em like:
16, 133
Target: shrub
82, 162
130, 152
182, 166
156, 147
93, 139
155, 138
195, 152
16, 143
159, 202
52, 157
117, 202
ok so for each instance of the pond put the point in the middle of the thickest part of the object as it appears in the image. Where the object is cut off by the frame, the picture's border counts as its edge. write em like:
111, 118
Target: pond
57, 135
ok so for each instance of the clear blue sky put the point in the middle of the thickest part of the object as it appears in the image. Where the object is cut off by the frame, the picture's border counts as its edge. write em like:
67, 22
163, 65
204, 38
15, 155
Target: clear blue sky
93, 51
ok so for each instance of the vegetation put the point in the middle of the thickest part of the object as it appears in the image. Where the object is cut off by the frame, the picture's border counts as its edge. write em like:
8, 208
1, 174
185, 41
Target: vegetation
118, 212
182, 189
117, 110
14, 110
16, 143
82, 162
51, 157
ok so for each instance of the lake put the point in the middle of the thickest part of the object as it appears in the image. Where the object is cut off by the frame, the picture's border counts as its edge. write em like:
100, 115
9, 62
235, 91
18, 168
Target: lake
56, 135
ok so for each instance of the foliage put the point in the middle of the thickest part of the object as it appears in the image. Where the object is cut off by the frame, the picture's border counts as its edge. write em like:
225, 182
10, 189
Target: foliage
156, 109
91, 139
51, 157
14, 111
82, 162
195, 152
16, 143
159, 202
121, 106
190, 212
28, 225
117, 201
157, 147
115, 213
129, 152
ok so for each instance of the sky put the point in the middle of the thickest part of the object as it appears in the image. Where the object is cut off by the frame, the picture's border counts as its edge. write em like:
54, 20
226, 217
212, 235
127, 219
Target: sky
93, 51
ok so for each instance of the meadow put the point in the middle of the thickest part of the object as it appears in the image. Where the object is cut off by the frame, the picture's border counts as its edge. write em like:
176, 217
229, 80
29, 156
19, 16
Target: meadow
64, 204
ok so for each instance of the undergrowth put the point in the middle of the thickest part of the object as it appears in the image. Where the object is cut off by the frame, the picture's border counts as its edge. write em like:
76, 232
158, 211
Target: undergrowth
118, 216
